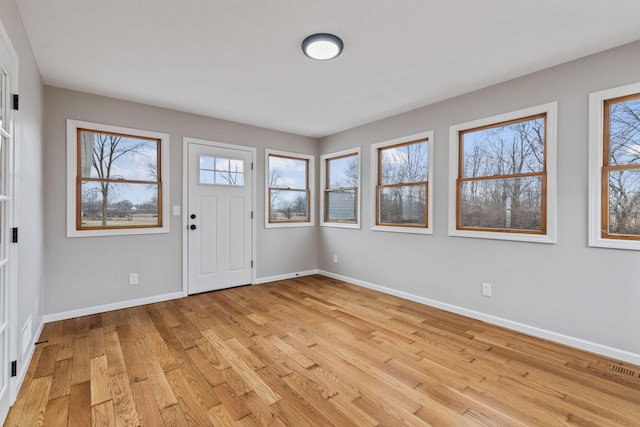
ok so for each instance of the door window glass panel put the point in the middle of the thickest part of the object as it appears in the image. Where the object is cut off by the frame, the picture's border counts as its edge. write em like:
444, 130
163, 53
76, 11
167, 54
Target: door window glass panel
2, 341
3, 100
221, 171
3, 150
3, 296
3, 227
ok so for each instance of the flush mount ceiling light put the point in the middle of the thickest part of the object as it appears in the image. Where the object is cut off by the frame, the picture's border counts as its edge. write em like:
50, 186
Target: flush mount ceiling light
322, 46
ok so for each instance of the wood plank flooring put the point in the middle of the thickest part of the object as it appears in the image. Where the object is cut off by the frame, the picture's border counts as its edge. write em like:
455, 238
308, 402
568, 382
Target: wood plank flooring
311, 351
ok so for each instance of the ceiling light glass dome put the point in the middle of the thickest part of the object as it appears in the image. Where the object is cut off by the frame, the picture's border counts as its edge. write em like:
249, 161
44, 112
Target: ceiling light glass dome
322, 46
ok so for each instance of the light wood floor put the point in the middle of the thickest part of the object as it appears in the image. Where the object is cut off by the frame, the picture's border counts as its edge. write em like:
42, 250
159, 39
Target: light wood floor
311, 351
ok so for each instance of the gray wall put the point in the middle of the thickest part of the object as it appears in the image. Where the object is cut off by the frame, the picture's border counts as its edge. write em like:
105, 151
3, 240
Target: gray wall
29, 179
92, 271
567, 288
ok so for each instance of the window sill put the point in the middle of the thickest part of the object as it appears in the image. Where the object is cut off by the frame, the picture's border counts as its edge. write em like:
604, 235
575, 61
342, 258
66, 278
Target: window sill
340, 225
599, 242
288, 224
117, 232
496, 235
405, 230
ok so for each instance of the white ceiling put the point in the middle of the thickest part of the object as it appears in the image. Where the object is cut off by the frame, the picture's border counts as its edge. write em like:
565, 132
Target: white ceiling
241, 60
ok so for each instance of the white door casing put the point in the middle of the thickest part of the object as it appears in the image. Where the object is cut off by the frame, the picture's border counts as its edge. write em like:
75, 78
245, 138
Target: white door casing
8, 298
219, 216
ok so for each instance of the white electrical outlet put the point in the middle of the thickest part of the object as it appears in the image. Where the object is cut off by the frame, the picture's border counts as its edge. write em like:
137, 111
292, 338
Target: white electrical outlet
335, 259
133, 278
486, 289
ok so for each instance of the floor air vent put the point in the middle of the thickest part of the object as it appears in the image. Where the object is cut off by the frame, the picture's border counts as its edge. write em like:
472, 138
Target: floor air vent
624, 371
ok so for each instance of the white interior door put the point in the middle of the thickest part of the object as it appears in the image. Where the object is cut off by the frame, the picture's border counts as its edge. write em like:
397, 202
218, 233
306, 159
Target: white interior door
220, 197
7, 128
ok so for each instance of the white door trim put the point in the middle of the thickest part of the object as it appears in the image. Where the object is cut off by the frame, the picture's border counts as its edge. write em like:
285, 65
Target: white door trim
12, 220
185, 204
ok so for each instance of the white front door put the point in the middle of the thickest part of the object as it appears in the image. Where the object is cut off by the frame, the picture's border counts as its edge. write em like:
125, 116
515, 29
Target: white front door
219, 217
7, 131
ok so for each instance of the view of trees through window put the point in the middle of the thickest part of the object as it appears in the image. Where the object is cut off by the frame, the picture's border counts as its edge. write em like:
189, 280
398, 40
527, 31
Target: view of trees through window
403, 172
221, 171
118, 183
341, 193
621, 183
501, 183
288, 189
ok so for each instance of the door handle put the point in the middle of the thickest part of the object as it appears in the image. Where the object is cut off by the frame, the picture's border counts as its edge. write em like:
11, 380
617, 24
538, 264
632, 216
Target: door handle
193, 226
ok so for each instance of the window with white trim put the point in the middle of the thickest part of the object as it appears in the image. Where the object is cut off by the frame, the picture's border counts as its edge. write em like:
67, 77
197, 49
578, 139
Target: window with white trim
115, 180
340, 176
289, 184
402, 171
502, 176
614, 168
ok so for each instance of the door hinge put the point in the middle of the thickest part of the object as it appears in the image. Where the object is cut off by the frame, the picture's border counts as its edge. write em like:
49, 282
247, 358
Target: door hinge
251, 165
251, 263
14, 368
251, 214
16, 99
14, 238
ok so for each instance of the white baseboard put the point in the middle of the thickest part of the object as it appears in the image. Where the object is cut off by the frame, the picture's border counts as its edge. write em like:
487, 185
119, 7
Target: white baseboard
150, 300
589, 346
262, 280
592, 347
109, 307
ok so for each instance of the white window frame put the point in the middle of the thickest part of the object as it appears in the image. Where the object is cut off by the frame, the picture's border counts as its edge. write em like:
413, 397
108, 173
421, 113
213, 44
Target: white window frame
72, 159
374, 183
596, 162
323, 179
311, 172
551, 129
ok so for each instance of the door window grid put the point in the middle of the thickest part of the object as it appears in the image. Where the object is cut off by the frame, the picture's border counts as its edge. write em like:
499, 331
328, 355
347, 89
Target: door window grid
220, 171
